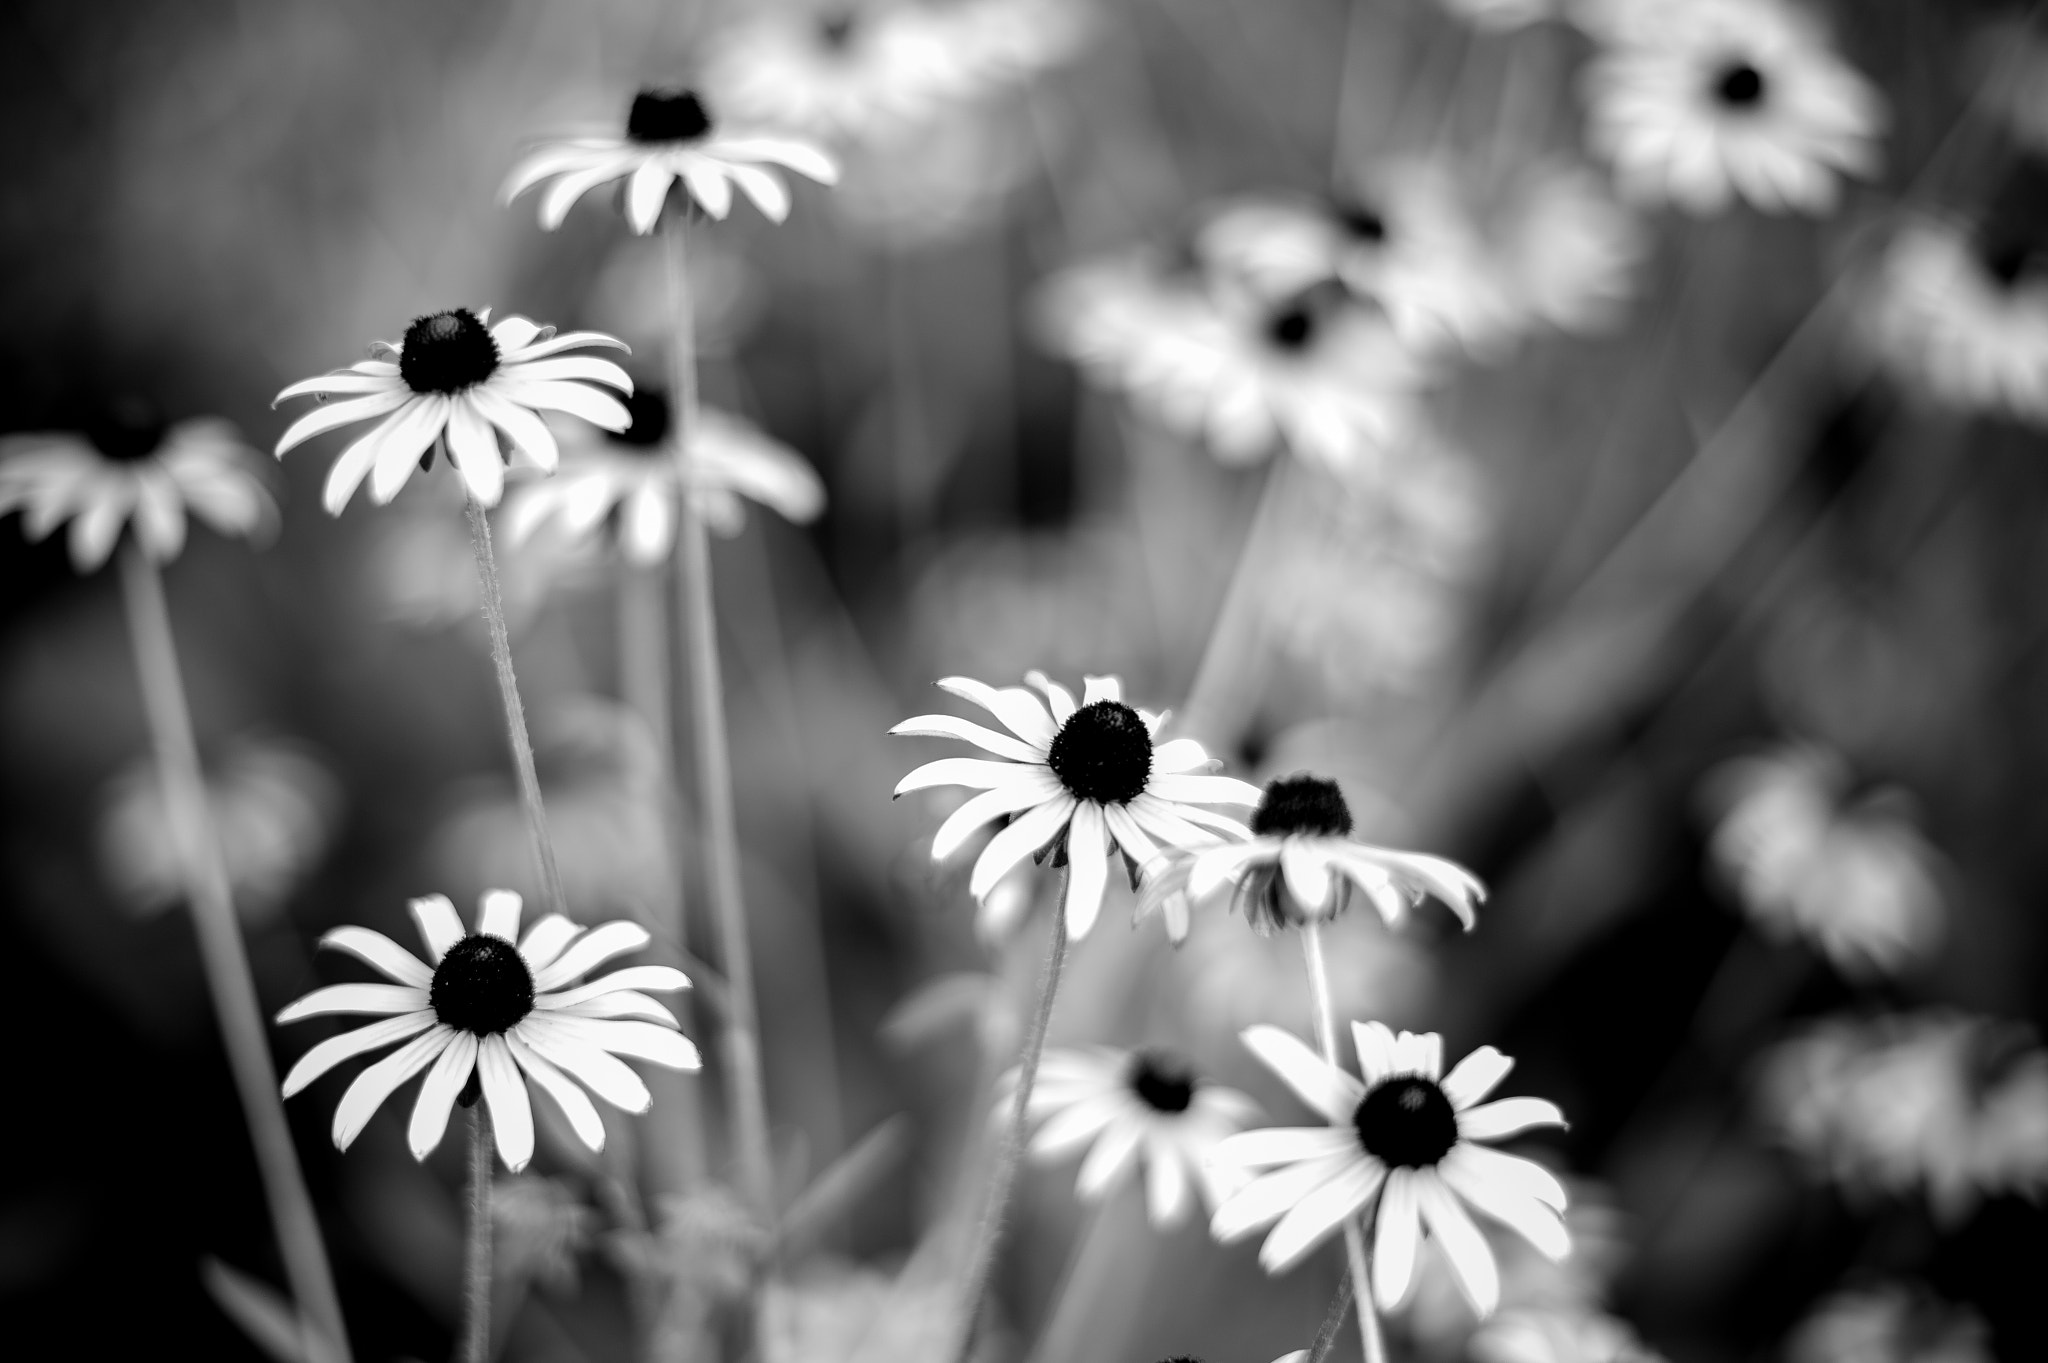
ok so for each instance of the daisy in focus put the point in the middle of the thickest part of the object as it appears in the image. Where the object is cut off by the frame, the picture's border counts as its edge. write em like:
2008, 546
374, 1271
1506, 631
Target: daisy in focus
1132, 1107
495, 1010
134, 473
455, 382
1405, 1143
1732, 99
632, 478
670, 137
1082, 778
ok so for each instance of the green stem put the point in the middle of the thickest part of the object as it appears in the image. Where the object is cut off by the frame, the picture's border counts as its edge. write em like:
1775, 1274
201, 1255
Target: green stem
476, 1265
1374, 1347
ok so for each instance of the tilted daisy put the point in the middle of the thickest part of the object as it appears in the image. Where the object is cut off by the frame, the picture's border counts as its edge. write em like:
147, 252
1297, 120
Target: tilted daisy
456, 380
633, 478
670, 136
1733, 98
497, 1010
134, 474
1088, 776
1127, 1107
1404, 1143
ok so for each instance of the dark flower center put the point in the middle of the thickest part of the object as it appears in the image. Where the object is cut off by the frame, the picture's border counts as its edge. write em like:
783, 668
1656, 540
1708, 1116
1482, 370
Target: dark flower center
835, 31
667, 116
482, 985
1302, 804
1361, 221
1739, 86
127, 431
1103, 753
649, 409
1406, 1122
446, 352
1162, 1082
2006, 257
1292, 327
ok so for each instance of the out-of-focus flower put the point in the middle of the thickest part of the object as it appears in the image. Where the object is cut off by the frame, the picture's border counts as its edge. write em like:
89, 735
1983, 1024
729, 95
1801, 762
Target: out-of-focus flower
543, 1227
1935, 1099
1501, 16
1129, 1107
1961, 319
497, 1011
1732, 98
1301, 866
1889, 1323
1408, 1134
922, 184
457, 381
670, 137
1855, 879
274, 809
1568, 251
134, 471
1089, 777
633, 479
1558, 1335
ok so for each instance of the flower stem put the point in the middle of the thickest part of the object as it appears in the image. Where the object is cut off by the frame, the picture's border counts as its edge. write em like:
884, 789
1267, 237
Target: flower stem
1333, 1322
476, 1261
981, 1252
1216, 694
515, 712
1369, 1339
714, 764
211, 896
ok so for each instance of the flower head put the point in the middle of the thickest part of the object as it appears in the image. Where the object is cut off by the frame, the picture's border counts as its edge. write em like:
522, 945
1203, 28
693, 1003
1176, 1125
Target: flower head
498, 1010
1081, 777
670, 136
135, 472
457, 381
1409, 1136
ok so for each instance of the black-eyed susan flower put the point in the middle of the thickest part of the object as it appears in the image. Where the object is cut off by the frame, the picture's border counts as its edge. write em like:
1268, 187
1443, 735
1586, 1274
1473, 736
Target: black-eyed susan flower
1089, 776
1405, 1145
670, 137
499, 1010
457, 380
134, 473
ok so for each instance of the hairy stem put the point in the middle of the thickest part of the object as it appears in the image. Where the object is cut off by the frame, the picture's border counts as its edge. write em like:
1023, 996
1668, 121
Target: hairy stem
1354, 1239
476, 1261
1333, 1322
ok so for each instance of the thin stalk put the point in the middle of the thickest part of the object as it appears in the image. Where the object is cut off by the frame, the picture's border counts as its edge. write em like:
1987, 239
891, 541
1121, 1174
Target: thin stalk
1214, 695
981, 1254
476, 1260
1333, 1322
210, 894
1369, 1340
543, 847
1088, 1268
749, 1106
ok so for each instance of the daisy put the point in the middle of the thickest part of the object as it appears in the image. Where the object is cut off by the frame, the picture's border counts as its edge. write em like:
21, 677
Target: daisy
455, 381
1735, 98
1567, 252
1302, 864
634, 475
1086, 777
670, 136
134, 473
1407, 1136
1125, 1107
487, 1009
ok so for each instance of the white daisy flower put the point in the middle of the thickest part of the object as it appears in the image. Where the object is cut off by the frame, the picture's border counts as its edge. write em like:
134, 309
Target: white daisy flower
1405, 1143
1736, 98
456, 380
1087, 777
1301, 866
1132, 1107
1566, 250
1889, 1322
136, 474
634, 475
492, 1009
670, 137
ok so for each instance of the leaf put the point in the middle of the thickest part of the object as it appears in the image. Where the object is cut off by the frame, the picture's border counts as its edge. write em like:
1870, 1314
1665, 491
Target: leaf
266, 1317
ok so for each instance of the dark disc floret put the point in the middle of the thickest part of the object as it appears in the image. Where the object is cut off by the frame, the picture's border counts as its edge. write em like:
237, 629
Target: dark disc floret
1406, 1122
1739, 85
1302, 804
667, 116
1162, 1082
1361, 221
1292, 325
482, 985
446, 352
648, 407
1103, 753
835, 30
127, 431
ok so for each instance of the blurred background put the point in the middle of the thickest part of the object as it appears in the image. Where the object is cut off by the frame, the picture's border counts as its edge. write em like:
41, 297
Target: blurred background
1709, 632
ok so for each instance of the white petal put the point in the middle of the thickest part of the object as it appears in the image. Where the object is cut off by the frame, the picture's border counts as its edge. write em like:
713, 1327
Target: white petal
1477, 1075
1028, 832
1375, 1044
1094, 689
592, 368
1511, 1173
1307, 871
1087, 868
1283, 1145
595, 947
575, 1105
977, 773
1179, 756
336, 1049
406, 437
521, 426
951, 726
545, 940
1320, 1084
645, 193
473, 448
1471, 1261
594, 405
622, 1003
609, 1077
356, 998
1316, 1216
1074, 1126
1166, 1181
440, 926
641, 1040
1203, 790
1020, 711
1397, 1233
511, 1109
438, 1092
1107, 1161
381, 952
1537, 1222
708, 186
500, 916
1269, 1197
1036, 788
331, 415
1058, 698
661, 978
1505, 1117
376, 1083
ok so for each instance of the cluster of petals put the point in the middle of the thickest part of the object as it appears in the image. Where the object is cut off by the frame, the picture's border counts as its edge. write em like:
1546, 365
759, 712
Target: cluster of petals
1317, 875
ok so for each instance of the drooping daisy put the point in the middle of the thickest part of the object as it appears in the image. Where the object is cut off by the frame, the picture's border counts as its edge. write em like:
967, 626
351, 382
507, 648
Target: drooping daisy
634, 474
670, 136
1404, 1143
1302, 864
134, 472
1089, 777
1128, 1107
456, 380
498, 1010
1733, 98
